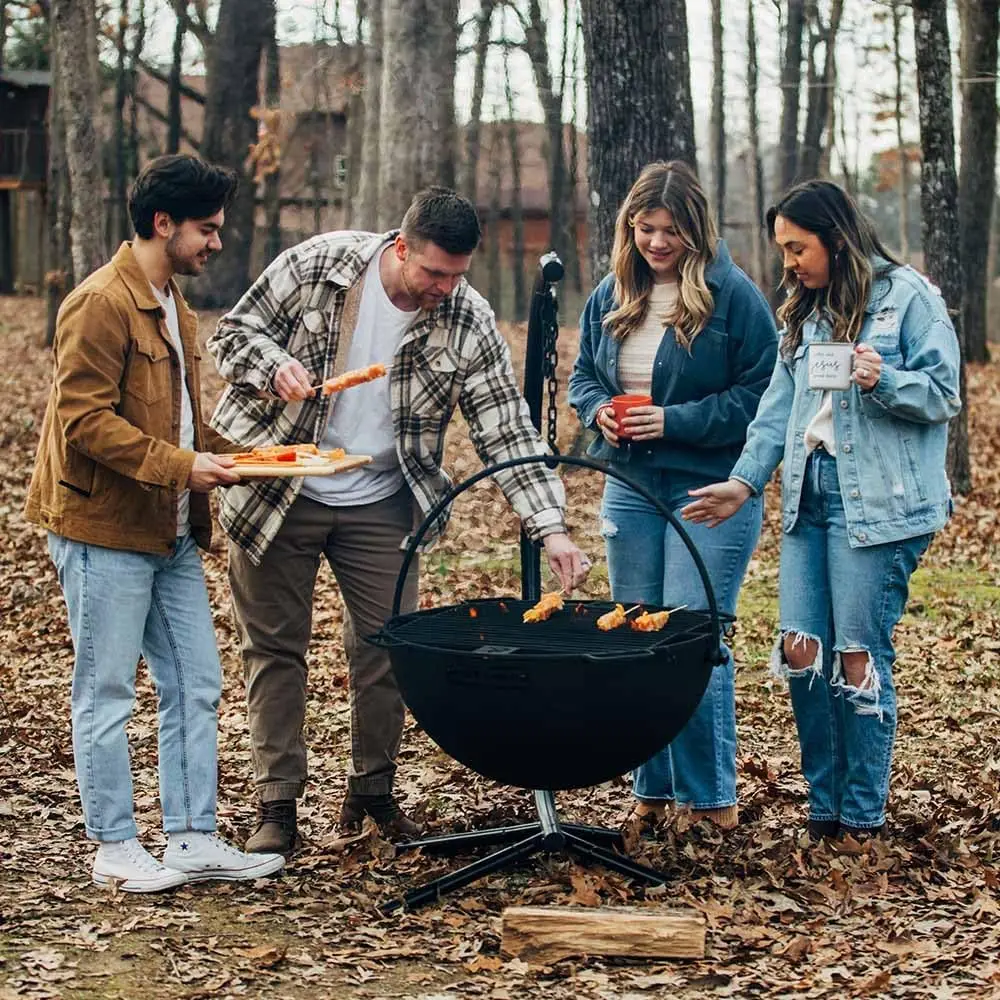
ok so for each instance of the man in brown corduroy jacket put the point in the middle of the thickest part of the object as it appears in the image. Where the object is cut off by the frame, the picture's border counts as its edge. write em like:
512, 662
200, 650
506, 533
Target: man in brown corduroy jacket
121, 482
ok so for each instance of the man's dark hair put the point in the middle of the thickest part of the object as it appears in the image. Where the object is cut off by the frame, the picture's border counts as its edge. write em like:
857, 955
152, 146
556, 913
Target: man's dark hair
445, 218
183, 186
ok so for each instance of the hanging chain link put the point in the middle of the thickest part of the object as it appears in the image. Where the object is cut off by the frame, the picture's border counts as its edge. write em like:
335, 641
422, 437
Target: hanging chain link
551, 359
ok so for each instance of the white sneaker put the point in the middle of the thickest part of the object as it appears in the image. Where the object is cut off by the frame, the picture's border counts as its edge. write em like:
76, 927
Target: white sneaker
128, 863
205, 855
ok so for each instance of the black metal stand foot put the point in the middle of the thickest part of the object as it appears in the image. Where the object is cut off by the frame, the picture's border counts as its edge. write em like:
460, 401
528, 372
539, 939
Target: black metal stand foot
591, 843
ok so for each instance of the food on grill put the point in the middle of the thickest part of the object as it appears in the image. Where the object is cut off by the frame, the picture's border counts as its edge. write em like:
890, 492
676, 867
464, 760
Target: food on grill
613, 619
287, 454
355, 377
650, 621
545, 608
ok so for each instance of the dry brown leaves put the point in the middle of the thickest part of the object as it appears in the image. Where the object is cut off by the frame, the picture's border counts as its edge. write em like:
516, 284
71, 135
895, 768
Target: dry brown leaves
916, 917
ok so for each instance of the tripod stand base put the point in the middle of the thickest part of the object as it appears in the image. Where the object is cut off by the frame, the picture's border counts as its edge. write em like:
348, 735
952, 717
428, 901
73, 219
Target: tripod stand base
590, 843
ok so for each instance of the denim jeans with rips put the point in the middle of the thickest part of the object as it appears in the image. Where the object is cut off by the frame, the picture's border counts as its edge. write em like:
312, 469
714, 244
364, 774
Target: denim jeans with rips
122, 604
847, 600
649, 563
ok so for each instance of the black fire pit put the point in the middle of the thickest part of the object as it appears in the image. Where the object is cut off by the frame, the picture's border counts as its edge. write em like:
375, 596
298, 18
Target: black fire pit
554, 704
549, 705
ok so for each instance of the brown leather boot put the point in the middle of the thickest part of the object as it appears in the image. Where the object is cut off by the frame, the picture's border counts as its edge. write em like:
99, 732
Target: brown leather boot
392, 822
277, 828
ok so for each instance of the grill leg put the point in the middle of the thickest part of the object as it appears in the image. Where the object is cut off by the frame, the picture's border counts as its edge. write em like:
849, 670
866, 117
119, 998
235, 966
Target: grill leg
615, 862
455, 880
599, 835
457, 842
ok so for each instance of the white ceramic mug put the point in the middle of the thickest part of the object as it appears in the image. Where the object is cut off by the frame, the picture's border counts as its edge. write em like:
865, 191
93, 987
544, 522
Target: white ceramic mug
830, 365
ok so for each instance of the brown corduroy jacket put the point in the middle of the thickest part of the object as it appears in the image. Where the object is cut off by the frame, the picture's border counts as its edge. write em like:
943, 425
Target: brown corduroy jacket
108, 468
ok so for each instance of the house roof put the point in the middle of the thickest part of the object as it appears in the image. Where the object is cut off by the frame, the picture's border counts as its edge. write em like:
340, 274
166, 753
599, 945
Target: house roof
26, 77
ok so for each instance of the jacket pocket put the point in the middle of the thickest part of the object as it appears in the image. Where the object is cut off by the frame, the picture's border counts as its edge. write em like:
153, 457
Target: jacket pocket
78, 472
148, 375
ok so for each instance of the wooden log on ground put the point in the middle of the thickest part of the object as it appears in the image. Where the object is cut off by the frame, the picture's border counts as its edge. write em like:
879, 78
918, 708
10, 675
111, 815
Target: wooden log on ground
546, 934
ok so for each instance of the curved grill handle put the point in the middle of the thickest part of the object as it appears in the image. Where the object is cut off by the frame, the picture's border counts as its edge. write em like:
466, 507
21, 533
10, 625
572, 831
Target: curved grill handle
552, 461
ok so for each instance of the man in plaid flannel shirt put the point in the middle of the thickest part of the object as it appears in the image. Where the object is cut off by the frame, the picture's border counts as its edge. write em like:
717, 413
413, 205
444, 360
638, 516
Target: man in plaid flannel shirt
342, 301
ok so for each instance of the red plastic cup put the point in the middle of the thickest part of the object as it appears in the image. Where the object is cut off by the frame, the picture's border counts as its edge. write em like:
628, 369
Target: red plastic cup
620, 405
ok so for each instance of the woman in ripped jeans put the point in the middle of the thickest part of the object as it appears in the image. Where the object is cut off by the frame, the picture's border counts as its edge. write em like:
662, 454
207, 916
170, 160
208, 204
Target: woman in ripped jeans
863, 486
678, 322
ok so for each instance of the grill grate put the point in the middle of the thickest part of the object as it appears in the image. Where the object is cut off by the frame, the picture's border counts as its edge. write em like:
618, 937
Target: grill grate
494, 627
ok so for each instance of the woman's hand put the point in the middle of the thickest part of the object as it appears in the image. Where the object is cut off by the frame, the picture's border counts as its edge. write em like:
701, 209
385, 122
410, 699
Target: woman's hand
607, 425
716, 502
644, 423
867, 367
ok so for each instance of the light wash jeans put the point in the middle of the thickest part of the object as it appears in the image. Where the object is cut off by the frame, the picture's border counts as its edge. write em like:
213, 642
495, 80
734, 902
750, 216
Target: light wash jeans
122, 604
848, 600
648, 563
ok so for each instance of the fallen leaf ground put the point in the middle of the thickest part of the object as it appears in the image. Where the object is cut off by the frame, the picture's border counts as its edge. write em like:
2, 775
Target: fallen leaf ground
915, 917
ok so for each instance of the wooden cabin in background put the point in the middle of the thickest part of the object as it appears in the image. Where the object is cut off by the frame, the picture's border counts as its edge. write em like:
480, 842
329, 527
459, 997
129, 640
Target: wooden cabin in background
24, 98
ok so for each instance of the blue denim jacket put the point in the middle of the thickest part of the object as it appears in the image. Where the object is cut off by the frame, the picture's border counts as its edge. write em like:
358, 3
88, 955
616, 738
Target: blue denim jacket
891, 441
709, 395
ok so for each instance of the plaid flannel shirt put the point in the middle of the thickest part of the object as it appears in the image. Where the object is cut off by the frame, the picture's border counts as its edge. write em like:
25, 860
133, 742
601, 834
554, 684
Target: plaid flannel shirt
304, 306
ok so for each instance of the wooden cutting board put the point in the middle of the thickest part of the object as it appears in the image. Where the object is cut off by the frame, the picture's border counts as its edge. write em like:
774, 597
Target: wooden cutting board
286, 470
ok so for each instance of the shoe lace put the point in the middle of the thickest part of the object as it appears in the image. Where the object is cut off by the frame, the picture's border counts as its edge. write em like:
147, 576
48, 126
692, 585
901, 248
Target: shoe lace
141, 858
224, 846
276, 812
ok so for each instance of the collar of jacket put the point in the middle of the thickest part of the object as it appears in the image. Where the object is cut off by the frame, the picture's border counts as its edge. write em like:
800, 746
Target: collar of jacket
349, 269
719, 266
135, 280
881, 282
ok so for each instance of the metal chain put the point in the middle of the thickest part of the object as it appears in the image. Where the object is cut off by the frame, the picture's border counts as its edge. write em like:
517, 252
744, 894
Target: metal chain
551, 327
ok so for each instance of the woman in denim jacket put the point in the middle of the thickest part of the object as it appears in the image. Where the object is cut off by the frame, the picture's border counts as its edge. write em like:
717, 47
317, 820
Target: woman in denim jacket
863, 488
678, 321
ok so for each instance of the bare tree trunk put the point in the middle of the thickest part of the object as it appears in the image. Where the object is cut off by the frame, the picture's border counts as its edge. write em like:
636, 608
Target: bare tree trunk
494, 280
791, 83
758, 244
132, 144
639, 109
516, 207
73, 20
718, 114
272, 182
365, 215
174, 87
818, 103
355, 116
788, 143
576, 269
470, 165
417, 134
939, 197
904, 162
58, 210
551, 100
977, 178
119, 183
232, 88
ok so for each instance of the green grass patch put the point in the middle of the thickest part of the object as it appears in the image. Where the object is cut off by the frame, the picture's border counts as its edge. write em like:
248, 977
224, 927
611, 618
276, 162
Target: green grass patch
934, 588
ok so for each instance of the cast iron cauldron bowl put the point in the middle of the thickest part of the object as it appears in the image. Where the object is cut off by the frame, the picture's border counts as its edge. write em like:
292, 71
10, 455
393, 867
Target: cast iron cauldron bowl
556, 704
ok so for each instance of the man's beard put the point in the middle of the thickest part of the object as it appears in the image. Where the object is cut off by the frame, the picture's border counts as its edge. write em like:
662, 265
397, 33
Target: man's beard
180, 263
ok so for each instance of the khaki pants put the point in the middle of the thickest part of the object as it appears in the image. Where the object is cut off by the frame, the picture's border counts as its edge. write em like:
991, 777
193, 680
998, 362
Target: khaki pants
273, 605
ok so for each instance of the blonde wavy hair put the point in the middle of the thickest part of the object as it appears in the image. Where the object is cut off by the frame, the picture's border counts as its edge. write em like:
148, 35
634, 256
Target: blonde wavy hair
674, 186
857, 258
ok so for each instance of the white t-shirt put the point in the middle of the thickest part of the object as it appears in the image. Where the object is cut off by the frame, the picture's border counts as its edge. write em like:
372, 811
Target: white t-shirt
361, 417
820, 429
187, 414
638, 351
